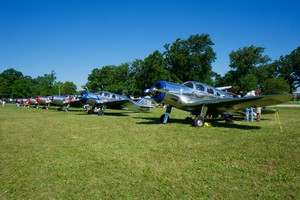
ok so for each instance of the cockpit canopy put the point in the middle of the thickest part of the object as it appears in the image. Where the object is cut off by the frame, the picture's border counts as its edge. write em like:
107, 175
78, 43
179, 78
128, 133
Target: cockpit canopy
109, 95
202, 87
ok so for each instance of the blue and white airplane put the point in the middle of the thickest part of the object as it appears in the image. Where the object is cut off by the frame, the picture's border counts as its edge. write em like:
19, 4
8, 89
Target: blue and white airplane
110, 100
201, 99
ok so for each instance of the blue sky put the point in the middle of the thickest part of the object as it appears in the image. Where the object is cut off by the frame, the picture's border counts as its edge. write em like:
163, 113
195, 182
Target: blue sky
72, 37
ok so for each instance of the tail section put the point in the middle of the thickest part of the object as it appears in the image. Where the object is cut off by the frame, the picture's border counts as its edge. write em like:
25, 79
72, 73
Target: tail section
145, 103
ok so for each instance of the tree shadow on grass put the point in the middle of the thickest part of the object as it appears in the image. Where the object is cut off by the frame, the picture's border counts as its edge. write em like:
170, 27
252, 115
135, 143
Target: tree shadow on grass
234, 125
120, 114
70, 109
213, 122
155, 120
221, 123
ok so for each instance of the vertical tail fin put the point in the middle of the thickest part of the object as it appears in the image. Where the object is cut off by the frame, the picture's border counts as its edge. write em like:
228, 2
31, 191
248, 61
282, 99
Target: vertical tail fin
145, 103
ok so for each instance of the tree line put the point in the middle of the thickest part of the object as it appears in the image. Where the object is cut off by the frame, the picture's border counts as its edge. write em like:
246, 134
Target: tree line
183, 60
13, 84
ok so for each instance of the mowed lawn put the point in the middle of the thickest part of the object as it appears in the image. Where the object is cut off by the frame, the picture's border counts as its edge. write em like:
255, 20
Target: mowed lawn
46, 154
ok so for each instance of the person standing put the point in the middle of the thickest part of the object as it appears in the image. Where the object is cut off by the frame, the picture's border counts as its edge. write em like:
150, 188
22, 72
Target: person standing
258, 109
249, 111
247, 114
258, 114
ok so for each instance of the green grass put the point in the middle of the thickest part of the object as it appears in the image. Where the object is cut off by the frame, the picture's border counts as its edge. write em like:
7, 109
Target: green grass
294, 102
46, 154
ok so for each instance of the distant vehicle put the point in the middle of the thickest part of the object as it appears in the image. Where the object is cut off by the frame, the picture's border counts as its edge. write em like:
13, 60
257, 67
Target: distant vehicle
8, 100
296, 96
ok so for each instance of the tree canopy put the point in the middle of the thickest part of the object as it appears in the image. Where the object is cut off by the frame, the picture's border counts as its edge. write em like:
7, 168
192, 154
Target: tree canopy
288, 67
245, 63
191, 59
13, 84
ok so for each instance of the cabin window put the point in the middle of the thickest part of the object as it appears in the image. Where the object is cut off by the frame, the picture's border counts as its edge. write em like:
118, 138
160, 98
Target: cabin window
210, 91
189, 84
113, 96
106, 94
200, 87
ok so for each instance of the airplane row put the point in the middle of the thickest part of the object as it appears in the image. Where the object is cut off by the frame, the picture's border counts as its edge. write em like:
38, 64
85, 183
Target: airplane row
199, 99
91, 101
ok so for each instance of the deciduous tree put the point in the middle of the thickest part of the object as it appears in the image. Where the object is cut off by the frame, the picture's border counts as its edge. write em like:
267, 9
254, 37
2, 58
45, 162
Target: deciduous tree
288, 67
10, 76
191, 59
68, 87
275, 86
152, 69
245, 63
43, 85
22, 87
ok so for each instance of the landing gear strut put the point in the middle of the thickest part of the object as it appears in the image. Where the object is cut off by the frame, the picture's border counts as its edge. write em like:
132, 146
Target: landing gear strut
101, 111
163, 117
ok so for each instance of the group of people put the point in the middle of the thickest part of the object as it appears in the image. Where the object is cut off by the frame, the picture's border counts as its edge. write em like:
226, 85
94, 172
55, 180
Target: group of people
250, 111
25, 104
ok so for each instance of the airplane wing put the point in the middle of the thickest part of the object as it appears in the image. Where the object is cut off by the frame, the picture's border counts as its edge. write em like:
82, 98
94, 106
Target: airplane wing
234, 104
124, 104
75, 103
116, 104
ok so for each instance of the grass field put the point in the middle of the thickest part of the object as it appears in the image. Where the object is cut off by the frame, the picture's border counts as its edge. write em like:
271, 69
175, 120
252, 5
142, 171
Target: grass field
46, 154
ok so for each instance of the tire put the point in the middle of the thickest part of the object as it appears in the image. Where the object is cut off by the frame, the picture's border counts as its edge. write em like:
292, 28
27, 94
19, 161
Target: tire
101, 113
199, 122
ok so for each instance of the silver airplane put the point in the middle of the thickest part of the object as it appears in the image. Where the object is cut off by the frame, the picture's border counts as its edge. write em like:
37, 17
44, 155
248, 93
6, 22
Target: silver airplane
201, 100
44, 101
33, 101
113, 101
65, 102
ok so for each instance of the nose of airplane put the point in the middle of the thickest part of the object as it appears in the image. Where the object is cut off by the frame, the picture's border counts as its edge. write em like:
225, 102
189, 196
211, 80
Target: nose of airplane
157, 91
84, 96
160, 85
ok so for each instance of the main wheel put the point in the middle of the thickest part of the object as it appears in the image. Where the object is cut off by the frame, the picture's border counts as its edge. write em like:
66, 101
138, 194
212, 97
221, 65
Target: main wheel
163, 117
199, 121
100, 113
